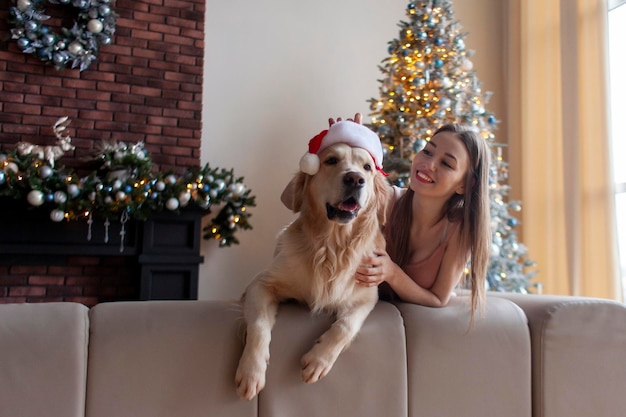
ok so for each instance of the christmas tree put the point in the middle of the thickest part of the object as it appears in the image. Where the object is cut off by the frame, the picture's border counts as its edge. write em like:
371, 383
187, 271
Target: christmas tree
428, 81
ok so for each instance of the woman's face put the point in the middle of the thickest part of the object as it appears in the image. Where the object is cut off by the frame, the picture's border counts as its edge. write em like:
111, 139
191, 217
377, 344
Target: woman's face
439, 169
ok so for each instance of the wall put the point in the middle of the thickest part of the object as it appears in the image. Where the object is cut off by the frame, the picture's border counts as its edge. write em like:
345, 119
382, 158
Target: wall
146, 86
275, 71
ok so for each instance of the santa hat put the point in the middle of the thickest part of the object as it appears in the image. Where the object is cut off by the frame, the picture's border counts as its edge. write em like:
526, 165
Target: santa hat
348, 132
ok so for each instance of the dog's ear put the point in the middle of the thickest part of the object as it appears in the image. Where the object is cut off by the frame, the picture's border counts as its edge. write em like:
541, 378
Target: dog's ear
383, 192
299, 183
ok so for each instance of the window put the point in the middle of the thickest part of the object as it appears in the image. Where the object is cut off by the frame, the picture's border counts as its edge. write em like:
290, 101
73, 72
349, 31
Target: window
617, 71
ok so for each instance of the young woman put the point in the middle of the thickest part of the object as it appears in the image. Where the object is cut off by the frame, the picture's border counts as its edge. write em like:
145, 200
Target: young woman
436, 225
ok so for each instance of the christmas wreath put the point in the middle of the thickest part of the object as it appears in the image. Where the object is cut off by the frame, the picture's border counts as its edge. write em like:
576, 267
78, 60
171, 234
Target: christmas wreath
77, 46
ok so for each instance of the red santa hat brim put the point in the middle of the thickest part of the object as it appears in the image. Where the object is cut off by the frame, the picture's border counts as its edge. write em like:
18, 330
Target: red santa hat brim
348, 132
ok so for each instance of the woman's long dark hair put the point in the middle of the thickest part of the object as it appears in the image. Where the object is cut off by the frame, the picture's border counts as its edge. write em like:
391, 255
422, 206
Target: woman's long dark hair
471, 209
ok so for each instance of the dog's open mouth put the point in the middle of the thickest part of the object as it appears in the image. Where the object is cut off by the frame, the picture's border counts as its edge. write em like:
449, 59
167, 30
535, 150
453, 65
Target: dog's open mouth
344, 211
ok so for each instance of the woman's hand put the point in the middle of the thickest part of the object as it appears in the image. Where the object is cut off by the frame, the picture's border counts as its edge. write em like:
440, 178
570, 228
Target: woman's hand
357, 119
375, 269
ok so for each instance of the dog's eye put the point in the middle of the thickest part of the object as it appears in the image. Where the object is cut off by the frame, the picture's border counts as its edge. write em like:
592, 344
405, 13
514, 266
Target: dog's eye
367, 167
331, 160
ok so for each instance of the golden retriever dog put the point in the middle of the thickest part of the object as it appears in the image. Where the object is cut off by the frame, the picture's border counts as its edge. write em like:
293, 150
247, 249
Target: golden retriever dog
341, 209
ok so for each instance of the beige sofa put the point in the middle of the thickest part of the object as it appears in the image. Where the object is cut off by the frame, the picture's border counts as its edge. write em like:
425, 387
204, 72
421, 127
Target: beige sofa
528, 355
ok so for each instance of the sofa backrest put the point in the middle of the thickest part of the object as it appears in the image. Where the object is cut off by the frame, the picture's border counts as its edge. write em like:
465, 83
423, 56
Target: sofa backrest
457, 371
178, 358
43, 359
164, 359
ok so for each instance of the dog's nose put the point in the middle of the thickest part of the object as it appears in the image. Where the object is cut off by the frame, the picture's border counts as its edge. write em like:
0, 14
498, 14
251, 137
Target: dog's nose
354, 179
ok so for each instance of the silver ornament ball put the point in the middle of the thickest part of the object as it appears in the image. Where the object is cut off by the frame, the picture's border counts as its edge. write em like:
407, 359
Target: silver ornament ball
57, 215
104, 10
23, 43
48, 39
30, 26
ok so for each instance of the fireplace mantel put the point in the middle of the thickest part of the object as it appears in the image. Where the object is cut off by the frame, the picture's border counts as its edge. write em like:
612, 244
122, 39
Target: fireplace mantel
166, 246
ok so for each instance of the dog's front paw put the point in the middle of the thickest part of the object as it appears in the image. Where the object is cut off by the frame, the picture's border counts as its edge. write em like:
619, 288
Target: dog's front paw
250, 378
315, 367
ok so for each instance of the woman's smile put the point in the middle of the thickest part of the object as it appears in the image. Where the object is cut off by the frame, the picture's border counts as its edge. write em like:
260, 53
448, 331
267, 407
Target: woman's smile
421, 177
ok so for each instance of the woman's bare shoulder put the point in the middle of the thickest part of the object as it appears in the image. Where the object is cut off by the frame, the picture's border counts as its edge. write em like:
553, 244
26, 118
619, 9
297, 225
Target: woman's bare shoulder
397, 192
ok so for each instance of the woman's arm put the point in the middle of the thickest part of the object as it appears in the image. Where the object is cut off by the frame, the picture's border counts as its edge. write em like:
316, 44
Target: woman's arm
381, 268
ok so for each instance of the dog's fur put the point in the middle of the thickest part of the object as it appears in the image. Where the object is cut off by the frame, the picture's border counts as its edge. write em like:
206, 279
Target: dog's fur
342, 209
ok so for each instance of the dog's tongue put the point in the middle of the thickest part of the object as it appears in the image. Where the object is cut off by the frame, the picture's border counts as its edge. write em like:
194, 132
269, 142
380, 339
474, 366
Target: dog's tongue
344, 212
348, 205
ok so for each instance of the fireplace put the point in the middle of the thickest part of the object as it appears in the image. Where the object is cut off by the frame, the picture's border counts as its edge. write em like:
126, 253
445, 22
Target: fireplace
155, 259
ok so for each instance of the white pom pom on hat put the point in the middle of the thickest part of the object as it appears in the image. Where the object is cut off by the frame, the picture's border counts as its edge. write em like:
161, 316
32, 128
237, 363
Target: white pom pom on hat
348, 132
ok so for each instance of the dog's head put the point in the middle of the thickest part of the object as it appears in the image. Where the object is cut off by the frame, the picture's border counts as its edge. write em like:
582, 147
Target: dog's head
346, 184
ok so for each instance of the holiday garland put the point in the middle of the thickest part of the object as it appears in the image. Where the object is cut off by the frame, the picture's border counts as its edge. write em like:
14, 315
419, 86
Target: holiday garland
77, 46
125, 186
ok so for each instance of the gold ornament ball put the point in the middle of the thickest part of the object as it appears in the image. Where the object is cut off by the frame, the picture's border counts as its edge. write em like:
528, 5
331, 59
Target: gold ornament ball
95, 26
35, 198
75, 48
22, 5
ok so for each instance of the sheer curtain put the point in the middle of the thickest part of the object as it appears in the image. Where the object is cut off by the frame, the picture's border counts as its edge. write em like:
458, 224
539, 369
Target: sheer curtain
559, 144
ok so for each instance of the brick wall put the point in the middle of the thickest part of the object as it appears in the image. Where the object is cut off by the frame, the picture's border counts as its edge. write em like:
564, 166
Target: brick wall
145, 86
86, 280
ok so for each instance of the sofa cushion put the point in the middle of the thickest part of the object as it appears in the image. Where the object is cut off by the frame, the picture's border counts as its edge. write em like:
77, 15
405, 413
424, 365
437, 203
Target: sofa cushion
368, 379
44, 359
165, 359
455, 371
579, 345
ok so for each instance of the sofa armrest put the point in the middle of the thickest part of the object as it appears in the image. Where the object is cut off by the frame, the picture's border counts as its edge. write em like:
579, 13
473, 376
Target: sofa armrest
579, 354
